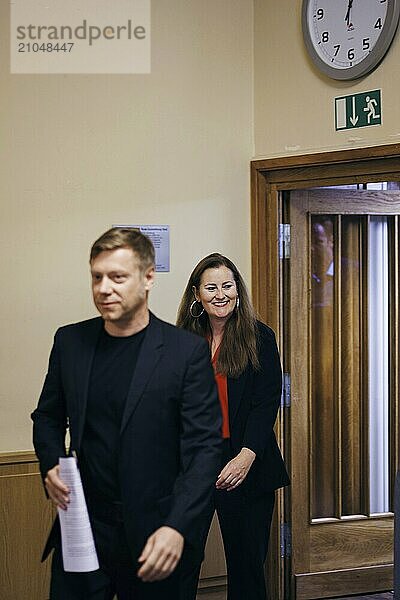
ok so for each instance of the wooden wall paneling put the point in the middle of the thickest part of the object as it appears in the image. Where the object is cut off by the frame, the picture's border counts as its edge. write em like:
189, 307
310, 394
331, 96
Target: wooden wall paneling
25, 519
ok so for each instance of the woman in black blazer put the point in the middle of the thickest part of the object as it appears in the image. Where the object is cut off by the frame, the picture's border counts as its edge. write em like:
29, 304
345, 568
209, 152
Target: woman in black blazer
247, 368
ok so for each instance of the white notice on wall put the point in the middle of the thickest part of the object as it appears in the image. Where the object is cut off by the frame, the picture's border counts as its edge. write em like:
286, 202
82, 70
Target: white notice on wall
159, 235
78, 549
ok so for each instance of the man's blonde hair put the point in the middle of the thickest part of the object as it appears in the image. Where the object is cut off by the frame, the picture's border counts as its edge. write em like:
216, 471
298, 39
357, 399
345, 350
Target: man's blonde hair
124, 237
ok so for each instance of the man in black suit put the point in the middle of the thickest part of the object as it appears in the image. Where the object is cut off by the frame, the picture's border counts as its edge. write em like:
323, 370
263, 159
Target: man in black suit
139, 398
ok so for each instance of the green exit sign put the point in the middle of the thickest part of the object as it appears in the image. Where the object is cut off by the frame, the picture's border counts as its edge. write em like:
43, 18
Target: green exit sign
358, 110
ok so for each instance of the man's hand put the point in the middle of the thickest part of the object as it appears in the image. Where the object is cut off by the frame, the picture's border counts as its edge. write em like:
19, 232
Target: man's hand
161, 554
56, 488
235, 472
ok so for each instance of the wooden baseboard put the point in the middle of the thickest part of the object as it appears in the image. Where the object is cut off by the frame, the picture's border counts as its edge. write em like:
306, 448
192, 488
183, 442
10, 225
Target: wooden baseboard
213, 584
218, 593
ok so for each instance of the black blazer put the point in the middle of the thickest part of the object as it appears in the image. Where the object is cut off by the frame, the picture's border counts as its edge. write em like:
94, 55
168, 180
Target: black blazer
170, 433
254, 399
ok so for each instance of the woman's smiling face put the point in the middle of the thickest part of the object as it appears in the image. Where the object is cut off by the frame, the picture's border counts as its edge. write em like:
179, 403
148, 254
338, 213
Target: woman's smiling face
217, 292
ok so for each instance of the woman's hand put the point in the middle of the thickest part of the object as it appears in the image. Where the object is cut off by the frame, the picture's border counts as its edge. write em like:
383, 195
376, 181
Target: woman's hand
235, 472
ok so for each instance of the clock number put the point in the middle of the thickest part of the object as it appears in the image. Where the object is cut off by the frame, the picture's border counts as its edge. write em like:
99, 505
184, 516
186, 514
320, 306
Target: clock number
320, 14
378, 24
325, 36
337, 48
366, 44
350, 54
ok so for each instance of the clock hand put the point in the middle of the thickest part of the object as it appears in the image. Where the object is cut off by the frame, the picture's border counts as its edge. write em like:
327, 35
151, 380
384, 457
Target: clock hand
347, 17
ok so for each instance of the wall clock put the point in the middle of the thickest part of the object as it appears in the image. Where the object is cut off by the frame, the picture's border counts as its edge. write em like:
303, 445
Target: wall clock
347, 39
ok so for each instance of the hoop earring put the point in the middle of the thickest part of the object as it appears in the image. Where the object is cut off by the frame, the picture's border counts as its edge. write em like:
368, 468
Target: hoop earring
191, 310
237, 303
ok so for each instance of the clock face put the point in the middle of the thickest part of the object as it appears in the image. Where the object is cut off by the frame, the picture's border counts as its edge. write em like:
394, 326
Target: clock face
348, 38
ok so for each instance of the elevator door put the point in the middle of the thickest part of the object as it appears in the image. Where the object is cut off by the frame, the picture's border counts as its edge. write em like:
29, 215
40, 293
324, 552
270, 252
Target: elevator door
342, 353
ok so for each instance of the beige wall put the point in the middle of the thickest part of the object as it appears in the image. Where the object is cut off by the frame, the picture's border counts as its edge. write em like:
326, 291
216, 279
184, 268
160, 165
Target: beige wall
294, 104
82, 152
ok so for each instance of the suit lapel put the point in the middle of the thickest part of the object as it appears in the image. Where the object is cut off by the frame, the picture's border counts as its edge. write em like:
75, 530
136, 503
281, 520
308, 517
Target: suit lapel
149, 356
83, 366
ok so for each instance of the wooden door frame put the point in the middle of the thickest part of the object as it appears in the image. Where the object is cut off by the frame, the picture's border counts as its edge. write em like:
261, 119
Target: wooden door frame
268, 178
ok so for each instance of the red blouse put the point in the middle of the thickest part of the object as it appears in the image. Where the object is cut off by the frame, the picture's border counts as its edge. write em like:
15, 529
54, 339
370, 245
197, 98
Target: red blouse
222, 385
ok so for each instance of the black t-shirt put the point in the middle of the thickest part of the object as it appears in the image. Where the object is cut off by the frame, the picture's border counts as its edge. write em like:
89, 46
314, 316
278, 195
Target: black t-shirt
112, 370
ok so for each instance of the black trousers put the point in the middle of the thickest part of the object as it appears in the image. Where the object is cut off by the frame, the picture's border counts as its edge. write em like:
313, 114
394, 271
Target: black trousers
117, 573
245, 523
